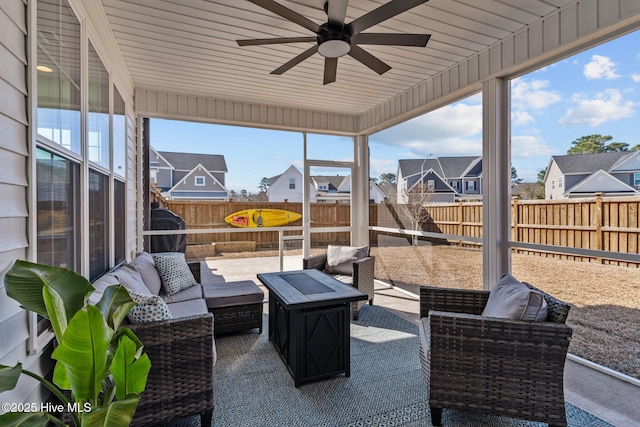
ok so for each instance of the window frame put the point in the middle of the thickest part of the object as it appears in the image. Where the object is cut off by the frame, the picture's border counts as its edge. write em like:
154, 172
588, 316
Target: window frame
197, 181
292, 183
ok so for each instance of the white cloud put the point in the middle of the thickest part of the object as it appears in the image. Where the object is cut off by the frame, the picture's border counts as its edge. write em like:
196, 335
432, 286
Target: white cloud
529, 146
521, 118
452, 130
635, 77
532, 94
379, 166
606, 106
600, 67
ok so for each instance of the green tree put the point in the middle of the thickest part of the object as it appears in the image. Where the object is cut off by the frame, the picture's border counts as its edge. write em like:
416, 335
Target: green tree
596, 143
263, 186
514, 176
387, 177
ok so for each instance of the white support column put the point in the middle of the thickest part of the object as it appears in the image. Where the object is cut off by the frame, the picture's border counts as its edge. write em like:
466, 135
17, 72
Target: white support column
360, 192
496, 173
306, 199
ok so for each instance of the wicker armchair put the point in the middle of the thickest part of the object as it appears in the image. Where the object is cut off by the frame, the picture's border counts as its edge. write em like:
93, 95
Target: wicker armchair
494, 366
362, 279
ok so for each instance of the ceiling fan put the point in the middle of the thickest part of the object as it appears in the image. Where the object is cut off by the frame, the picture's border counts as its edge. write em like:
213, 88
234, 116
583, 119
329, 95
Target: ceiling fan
335, 38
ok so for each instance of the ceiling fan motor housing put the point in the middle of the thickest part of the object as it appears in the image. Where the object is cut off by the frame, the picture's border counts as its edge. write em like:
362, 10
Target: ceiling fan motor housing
333, 41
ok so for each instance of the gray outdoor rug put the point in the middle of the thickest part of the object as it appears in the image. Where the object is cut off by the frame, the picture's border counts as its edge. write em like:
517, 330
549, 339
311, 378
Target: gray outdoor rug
252, 386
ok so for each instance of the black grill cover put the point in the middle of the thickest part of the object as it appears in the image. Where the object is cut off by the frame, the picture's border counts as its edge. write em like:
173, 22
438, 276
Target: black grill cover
164, 219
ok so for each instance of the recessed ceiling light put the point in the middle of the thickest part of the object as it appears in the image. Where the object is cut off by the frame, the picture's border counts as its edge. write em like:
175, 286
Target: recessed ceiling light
44, 69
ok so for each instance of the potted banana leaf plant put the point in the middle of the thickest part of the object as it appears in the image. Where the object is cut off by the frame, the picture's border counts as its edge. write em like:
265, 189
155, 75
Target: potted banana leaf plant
100, 364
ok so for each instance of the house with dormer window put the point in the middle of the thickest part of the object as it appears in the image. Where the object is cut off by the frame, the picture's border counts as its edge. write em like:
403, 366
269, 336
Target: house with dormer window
188, 176
447, 178
584, 175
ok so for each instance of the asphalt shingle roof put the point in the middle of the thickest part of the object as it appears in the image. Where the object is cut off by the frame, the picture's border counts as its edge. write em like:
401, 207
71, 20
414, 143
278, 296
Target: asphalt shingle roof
588, 163
188, 161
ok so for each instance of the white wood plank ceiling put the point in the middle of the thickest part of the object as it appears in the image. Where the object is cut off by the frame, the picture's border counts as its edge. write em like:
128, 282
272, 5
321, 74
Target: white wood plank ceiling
189, 46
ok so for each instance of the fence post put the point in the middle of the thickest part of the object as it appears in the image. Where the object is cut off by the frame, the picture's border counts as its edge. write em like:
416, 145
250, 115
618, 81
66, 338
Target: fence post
514, 220
598, 220
460, 210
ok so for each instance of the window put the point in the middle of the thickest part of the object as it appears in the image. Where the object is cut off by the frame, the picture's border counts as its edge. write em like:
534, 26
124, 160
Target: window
431, 184
471, 185
200, 180
553, 184
120, 220
98, 224
454, 185
153, 176
119, 134
292, 183
323, 187
58, 210
98, 115
59, 75
560, 182
636, 181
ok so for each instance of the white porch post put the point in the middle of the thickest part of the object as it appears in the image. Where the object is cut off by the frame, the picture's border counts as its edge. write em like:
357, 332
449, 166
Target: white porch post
496, 171
360, 192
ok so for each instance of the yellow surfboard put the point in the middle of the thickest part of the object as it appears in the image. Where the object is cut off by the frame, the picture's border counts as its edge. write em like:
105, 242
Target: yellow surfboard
252, 218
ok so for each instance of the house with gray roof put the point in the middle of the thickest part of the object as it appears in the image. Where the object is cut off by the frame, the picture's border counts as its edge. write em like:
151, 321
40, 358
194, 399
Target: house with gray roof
583, 175
447, 178
188, 175
322, 188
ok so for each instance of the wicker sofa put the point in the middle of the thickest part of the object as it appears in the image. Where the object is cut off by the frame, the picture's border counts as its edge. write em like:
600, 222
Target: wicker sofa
181, 350
362, 277
502, 367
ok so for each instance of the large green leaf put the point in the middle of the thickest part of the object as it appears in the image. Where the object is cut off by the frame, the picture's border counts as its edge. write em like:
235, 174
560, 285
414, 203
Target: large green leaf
27, 419
9, 376
128, 370
115, 414
83, 352
25, 280
115, 304
56, 310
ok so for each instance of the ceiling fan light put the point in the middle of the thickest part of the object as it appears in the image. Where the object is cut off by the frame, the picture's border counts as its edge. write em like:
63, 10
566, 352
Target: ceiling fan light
334, 48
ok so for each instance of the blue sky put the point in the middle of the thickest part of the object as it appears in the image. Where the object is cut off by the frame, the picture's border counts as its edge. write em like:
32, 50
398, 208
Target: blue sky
594, 92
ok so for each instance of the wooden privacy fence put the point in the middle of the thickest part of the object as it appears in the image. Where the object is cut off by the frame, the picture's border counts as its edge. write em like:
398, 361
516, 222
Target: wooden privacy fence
203, 215
609, 224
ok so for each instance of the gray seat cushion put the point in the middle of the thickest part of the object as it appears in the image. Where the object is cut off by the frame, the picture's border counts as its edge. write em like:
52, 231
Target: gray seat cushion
347, 280
193, 292
188, 308
232, 293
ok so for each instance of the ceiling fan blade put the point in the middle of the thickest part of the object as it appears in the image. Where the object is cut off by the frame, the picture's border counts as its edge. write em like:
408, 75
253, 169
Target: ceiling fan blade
295, 61
337, 11
384, 12
330, 69
287, 13
369, 60
417, 40
257, 42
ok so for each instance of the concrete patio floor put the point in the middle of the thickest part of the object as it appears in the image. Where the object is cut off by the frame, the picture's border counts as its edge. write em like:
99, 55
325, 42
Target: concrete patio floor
599, 393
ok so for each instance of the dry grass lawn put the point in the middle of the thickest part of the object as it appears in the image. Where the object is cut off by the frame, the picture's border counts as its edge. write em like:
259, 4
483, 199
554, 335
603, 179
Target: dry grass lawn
605, 299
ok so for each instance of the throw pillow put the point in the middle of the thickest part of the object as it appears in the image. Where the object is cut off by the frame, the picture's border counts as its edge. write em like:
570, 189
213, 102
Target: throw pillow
147, 269
511, 299
340, 258
174, 272
148, 308
129, 277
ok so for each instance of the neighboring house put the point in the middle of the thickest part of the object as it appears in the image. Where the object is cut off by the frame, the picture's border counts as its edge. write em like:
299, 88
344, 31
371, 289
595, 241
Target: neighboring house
322, 189
583, 175
288, 186
448, 178
188, 176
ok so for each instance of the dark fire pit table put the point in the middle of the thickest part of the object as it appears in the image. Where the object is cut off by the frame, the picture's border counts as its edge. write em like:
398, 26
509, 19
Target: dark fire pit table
309, 318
